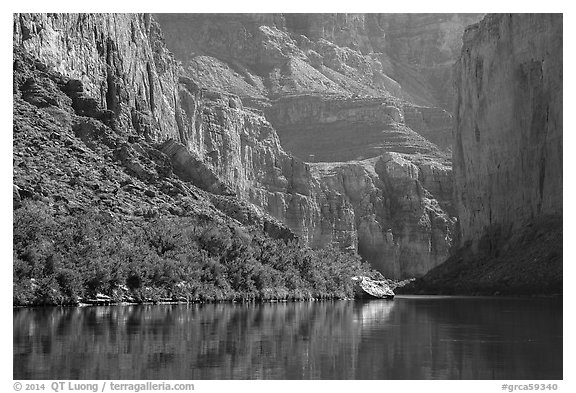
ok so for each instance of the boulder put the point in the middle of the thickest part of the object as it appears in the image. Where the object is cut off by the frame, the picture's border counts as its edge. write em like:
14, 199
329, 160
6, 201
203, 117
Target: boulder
367, 288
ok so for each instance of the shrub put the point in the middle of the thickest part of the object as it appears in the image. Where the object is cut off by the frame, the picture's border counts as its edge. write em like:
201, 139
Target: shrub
59, 258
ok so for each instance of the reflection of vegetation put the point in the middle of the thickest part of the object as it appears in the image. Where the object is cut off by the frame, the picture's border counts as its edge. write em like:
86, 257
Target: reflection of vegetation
418, 338
289, 340
60, 258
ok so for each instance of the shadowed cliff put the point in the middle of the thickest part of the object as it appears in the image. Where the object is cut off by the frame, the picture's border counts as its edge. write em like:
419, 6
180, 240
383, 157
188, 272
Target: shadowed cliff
507, 159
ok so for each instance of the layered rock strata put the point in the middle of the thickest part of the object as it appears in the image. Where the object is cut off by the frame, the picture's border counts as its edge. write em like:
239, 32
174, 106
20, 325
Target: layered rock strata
318, 128
403, 231
406, 55
76, 163
111, 79
116, 69
330, 101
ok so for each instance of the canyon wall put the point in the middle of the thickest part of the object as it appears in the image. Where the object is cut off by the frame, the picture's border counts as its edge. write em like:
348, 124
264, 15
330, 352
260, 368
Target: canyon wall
507, 160
119, 60
215, 117
323, 82
118, 70
415, 50
423, 50
508, 135
402, 229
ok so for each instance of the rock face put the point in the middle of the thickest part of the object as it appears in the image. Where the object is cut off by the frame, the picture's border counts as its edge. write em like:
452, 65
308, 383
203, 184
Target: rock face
322, 81
507, 160
77, 164
324, 129
366, 288
117, 61
403, 231
213, 121
229, 147
415, 50
406, 55
116, 68
508, 136
423, 49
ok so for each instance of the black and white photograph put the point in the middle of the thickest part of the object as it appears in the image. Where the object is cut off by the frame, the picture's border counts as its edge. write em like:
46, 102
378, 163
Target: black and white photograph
286, 196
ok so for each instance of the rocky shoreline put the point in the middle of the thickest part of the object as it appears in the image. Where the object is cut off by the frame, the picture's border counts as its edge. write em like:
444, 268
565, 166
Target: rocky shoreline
379, 288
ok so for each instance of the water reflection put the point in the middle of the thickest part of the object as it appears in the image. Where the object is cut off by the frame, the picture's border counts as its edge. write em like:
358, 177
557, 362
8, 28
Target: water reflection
409, 338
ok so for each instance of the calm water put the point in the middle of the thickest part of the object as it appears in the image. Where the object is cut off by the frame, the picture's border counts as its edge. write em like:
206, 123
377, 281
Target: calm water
408, 338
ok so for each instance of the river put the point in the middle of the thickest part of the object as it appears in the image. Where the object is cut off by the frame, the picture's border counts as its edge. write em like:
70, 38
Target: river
411, 337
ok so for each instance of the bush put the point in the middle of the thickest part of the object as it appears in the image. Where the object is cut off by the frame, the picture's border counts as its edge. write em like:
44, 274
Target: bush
60, 258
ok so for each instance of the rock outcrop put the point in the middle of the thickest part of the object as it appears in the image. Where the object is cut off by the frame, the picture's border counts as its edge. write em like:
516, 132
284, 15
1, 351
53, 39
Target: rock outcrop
324, 129
403, 231
211, 123
508, 135
507, 159
405, 55
116, 69
367, 288
117, 64
322, 81
75, 163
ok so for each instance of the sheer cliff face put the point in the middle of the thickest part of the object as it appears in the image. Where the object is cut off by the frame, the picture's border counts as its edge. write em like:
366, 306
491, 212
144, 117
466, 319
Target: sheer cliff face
322, 82
390, 203
122, 74
508, 135
119, 59
403, 231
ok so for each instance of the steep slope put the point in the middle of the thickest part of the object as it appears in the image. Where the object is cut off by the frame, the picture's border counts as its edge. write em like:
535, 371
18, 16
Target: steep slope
130, 181
415, 50
336, 56
508, 158
119, 59
405, 55
214, 121
127, 76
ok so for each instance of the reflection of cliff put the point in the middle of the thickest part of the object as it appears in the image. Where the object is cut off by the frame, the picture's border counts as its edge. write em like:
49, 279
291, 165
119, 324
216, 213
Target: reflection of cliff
408, 338
466, 338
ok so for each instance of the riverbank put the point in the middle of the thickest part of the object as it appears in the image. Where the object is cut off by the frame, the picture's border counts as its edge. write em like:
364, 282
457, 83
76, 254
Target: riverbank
61, 258
262, 297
